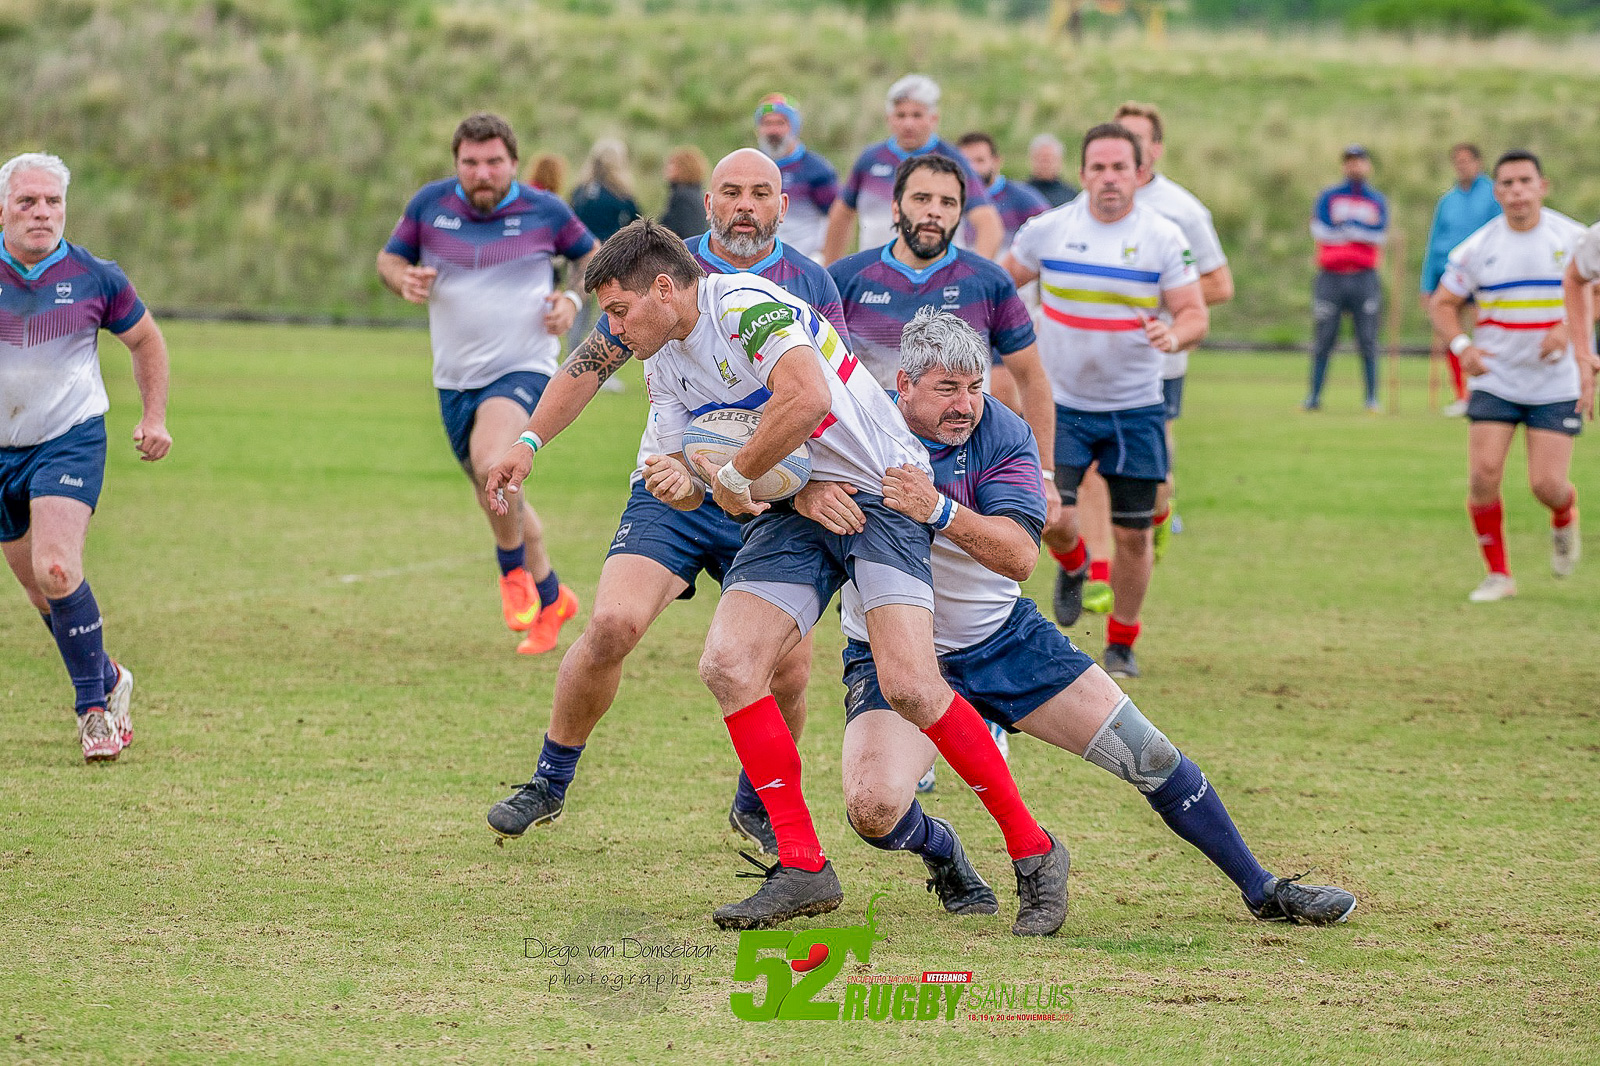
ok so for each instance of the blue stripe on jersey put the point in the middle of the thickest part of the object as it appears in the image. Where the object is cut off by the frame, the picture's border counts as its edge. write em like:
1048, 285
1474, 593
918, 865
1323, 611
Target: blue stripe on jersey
1094, 270
751, 402
1556, 282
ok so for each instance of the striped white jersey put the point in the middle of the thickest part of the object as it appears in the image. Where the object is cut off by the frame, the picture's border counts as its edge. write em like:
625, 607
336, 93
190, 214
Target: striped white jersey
1172, 201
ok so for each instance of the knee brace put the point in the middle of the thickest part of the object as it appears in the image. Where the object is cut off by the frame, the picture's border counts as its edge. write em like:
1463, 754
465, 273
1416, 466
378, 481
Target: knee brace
1133, 749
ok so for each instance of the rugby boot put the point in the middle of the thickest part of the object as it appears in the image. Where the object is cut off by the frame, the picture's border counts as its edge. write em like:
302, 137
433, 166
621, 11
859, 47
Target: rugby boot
1098, 597
1042, 891
1565, 547
1068, 598
546, 628
786, 892
100, 741
756, 827
1289, 901
519, 600
961, 888
118, 702
534, 803
927, 781
1161, 536
1118, 661
1493, 587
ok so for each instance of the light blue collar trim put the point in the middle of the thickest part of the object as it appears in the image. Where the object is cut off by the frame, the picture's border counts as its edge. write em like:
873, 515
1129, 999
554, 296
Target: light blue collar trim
38, 268
917, 276
511, 195
705, 252
904, 155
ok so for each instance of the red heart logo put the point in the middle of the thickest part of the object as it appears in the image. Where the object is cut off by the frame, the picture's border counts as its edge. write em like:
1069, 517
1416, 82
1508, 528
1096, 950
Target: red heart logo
819, 952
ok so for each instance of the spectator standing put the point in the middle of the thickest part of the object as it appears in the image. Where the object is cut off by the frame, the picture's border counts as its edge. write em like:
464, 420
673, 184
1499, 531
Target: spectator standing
1464, 208
685, 174
1350, 224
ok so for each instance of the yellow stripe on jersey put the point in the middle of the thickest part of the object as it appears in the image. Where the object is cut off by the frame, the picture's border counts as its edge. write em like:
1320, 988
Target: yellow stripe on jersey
1097, 296
1489, 305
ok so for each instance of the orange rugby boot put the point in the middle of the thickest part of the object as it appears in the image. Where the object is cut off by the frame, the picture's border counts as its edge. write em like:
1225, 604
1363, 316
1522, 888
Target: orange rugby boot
546, 628
519, 600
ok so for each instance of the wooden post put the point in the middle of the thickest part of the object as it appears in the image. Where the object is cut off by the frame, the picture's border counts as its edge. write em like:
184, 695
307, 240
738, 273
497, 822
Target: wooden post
1397, 278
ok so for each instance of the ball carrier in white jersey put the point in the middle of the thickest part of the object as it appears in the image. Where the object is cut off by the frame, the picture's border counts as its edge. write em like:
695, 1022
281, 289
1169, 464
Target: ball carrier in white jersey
1106, 268
996, 649
737, 340
1519, 364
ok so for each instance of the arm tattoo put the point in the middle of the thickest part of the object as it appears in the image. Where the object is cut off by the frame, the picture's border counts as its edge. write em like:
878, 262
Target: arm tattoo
597, 355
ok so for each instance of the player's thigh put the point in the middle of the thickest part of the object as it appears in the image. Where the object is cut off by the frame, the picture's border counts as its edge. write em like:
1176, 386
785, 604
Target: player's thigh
884, 757
632, 593
1549, 457
496, 424
19, 557
57, 528
1487, 446
1071, 717
749, 636
793, 671
901, 636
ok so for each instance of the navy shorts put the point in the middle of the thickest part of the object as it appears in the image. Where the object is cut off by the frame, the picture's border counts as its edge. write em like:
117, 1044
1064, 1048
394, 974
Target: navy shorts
459, 407
1008, 675
1560, 417
685, 542
71, 465
1130, 444
798, 565
1172, 397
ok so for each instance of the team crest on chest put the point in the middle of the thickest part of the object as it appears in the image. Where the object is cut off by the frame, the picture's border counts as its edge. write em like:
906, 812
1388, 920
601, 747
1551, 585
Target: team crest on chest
63, 292
1130, 252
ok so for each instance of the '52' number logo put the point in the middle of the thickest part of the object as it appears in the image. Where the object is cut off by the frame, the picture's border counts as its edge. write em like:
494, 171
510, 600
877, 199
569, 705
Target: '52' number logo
785, 998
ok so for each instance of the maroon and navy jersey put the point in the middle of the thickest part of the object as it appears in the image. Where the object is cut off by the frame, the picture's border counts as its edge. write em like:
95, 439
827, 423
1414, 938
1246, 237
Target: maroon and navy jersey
812, 185
881, 294
1017, 202
486, 311
870, 187
50, 322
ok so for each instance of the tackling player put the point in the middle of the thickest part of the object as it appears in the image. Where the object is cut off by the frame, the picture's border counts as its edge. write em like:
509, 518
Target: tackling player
809, 181
659, 551
1106, 267
55, 299
912, 110
1518, 362
476, 249
737, 340
999, 652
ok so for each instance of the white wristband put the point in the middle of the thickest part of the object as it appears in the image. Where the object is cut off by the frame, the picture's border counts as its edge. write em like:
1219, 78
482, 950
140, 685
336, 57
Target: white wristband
732, 479
1460, 343
944, 512
532, 441
576, 298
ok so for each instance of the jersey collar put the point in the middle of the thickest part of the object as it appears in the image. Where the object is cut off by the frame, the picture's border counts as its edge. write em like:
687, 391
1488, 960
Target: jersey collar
705, 252
904, 155
917, 276
792, 157
999, 183
38, 268
511, 195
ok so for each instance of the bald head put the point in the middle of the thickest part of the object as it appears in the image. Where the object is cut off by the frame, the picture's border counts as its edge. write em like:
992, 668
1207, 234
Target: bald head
745, 203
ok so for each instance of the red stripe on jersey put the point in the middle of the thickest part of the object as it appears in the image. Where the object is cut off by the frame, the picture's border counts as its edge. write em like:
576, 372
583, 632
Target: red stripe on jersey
847, 366
1518, 325
1100, 325
826, 422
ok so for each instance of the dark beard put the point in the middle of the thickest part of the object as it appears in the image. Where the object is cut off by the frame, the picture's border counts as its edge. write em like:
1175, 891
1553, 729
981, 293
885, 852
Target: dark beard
921, 246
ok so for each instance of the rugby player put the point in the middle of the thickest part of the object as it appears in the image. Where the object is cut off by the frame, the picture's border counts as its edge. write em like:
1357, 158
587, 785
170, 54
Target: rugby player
659, 551
999, 652
1519, 366
55, 298
1577, 290
1106, 267
912, 110
737, 340
477, 250
1016, 201
809, 180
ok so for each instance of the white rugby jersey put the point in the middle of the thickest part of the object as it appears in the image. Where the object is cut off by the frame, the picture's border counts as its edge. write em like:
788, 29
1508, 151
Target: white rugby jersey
1515, 279
1587, 253
746, 323
1173, 202
1096, 280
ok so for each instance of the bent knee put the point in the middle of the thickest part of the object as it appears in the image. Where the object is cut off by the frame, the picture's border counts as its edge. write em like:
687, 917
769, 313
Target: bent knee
611, 635
872, 809
726, 670
57, 576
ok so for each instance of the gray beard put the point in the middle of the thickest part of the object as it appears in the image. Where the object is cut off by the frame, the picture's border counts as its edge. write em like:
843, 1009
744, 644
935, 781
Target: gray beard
743, 246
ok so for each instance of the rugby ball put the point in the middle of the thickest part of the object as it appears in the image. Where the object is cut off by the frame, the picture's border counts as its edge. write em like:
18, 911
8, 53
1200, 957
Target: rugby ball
716, 435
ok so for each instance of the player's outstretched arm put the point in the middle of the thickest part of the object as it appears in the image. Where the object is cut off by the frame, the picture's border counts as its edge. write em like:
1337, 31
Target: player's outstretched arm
998, 542
150, 373
828, 504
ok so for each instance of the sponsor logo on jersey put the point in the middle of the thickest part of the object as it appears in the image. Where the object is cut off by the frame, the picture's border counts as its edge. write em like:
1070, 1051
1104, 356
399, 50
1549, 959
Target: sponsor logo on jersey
1188, 258
1559, 256
881, 170
1130, 251
446, 222
873, 298
759, 323
68, 479
63, 292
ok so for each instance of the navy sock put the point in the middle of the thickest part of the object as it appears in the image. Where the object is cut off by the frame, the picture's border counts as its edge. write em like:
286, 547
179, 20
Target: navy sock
549, 588
916, 833
746, 799
558, 764
110, 672
510, 558
47, 623
75, 623
1192, 809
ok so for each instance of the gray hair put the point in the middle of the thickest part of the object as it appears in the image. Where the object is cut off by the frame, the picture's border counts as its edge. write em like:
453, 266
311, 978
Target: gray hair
935, 338
916, 87
1046, 140
50, 164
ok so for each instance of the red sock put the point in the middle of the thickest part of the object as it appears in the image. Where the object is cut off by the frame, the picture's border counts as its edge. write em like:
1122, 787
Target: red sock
1100, 570
769, 756
1563, 518
1071, 560
1161, 515
1456, 377
1489, 521
966, 745
1121, 632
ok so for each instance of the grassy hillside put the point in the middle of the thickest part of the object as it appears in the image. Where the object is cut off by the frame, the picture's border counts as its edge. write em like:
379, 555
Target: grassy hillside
229, 155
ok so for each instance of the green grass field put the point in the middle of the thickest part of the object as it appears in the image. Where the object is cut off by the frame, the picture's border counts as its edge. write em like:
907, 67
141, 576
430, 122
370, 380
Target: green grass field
291, 863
